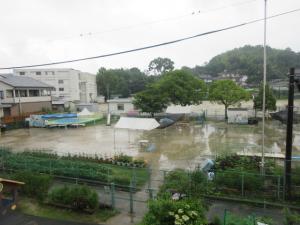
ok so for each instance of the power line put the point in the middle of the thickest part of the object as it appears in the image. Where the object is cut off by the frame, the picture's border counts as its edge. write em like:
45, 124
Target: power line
194, 13
150, 46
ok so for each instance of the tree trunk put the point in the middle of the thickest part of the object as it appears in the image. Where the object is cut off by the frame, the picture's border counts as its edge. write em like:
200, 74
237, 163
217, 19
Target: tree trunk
255, 113
226, 117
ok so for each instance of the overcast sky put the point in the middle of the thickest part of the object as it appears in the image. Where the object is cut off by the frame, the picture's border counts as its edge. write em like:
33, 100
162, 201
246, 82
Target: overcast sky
39, 31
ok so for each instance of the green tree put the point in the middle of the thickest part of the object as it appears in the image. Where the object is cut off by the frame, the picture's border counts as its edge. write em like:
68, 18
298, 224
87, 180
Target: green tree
160, 66
228, 93
122, 82
176, 87
248, 60
182, 88
151, 100
270, 103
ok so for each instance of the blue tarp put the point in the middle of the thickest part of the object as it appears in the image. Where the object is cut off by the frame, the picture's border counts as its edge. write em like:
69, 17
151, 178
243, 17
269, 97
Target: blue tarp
59, 116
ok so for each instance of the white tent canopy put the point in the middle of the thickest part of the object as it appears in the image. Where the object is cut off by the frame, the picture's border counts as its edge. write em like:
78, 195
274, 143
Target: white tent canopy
137, 123
85, 112
178, 109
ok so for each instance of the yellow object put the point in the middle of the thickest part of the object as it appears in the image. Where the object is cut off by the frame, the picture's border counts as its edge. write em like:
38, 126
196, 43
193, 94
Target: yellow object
13, 207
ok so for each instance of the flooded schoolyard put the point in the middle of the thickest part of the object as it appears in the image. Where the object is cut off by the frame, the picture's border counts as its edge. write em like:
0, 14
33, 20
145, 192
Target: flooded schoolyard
183, 145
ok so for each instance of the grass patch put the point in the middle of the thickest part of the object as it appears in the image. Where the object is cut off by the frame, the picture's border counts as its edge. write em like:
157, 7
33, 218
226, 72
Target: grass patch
32, 207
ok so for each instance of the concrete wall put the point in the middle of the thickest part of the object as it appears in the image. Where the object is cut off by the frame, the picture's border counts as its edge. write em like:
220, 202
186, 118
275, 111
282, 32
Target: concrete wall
30, 107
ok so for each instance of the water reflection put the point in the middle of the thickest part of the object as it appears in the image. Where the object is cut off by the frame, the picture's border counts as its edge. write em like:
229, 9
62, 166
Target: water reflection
176, 146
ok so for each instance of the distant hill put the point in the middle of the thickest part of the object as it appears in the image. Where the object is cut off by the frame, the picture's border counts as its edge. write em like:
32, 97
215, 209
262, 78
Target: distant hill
248, 60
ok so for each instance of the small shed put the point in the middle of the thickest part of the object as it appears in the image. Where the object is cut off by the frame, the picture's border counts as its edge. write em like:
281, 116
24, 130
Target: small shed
120, 106
237, 115
9, 193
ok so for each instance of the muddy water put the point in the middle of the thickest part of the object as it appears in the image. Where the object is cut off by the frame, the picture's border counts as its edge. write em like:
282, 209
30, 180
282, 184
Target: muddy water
177, 146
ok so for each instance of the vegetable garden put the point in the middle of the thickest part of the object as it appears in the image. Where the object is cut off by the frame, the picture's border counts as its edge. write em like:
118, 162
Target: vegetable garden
126, 171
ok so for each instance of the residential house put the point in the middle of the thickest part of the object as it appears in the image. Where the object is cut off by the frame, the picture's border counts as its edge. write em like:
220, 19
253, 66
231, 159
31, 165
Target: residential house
23, 95
239, 79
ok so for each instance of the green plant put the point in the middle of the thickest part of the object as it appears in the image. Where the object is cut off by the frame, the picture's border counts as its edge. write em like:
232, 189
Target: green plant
185, 216
216, 221
291, 218
78, 197
163, 211
36, 185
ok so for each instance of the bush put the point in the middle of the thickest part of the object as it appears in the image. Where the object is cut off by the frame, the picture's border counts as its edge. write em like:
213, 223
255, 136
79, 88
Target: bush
163, 212
78, 197
36, 185
176, 181
291, 218
233, 179
183, 182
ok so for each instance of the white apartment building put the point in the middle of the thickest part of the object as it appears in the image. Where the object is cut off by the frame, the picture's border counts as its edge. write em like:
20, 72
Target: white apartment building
69, 85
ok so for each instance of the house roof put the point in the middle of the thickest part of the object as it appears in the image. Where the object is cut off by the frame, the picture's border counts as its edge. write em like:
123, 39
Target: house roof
22, 82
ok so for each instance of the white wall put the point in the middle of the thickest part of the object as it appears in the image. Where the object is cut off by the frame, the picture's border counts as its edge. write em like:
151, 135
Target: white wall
113, 108
71, 80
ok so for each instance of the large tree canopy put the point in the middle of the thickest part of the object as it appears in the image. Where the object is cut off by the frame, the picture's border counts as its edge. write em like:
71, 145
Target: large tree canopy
228, 93
182, 88
176, 87
152, 100
160, 66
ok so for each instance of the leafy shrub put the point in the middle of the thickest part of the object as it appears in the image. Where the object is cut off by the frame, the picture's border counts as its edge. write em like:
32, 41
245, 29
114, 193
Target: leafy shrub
177, 181
233, 179
184, 182
163, 212
291, 218
78, 197
36, 185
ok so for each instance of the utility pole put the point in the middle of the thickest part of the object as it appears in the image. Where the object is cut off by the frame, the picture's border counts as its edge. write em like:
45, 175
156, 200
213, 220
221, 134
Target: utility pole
293, 79
264, 92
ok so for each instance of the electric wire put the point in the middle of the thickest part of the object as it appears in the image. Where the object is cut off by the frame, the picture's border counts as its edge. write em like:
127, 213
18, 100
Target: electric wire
150, 46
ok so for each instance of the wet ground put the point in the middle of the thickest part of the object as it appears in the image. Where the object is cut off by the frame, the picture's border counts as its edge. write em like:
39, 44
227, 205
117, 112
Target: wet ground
181, 145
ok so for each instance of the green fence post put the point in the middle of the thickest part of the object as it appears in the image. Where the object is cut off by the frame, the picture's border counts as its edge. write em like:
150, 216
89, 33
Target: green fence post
190, 184
164, 174
131, 197
278, 188
243, 194
150, 193
50, 168
133, 176
149, 178
112, 193
225, 215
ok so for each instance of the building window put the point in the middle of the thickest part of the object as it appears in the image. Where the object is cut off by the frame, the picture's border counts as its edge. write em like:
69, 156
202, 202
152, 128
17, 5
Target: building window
61, 89
9, 94
22, 73
1, 95
34, 93
21, 93
38, 73
121, 107
60, 81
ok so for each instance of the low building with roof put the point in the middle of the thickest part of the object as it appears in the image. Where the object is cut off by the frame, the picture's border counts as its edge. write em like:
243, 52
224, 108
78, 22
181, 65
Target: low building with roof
23, 95
120, 106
